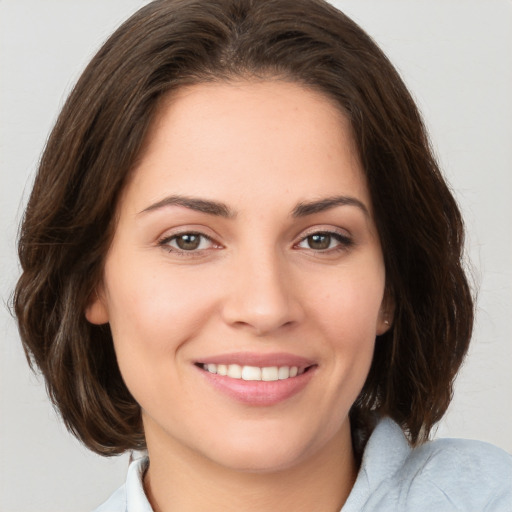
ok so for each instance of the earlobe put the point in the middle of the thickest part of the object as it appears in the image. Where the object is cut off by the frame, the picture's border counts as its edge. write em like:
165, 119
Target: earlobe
383, 326
386, 314
96, 311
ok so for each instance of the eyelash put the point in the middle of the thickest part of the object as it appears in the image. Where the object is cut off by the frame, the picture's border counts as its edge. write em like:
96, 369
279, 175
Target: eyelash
165, 243
344, 242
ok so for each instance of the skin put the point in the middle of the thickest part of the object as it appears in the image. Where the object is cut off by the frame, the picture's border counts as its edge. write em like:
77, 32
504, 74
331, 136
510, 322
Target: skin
258, 283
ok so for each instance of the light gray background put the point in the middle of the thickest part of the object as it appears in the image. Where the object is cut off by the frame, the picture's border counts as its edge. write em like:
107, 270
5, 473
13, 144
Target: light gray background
456, 56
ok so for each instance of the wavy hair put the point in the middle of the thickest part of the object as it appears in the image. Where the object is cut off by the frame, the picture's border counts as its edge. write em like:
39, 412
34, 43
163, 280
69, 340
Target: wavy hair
70, 218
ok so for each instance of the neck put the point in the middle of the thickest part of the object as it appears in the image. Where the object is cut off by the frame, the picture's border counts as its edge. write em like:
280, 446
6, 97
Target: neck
178, 481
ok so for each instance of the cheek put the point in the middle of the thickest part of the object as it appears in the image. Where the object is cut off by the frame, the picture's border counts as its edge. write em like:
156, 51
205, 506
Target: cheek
152, 312
348, 314
351, 304
152, 315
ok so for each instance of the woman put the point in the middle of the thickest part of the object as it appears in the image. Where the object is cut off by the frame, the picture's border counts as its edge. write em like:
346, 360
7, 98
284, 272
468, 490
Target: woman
240, 255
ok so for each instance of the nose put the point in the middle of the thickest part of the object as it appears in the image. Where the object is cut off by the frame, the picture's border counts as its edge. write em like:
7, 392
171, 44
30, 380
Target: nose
262, 295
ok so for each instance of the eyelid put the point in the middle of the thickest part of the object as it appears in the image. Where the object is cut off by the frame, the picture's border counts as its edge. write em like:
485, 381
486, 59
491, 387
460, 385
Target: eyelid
328, 229
344, 238
184, 229
164, 241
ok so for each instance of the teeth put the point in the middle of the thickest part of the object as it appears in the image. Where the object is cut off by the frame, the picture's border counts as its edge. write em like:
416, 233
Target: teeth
270, 373
284, 373
234, 371
251, 373
266, 373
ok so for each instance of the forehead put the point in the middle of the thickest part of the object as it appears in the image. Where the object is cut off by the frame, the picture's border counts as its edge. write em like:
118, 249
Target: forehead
249, 138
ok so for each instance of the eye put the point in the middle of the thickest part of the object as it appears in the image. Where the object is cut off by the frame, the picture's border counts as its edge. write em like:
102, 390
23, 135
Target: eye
325, 241
187, 242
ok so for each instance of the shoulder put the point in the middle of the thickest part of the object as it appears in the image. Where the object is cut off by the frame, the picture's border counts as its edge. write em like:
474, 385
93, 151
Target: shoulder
470, 475
130, 497
441, 475
116, 502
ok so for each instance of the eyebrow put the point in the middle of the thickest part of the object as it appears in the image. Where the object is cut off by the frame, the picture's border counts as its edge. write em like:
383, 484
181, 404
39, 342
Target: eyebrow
219, 209
199, 205
311, 207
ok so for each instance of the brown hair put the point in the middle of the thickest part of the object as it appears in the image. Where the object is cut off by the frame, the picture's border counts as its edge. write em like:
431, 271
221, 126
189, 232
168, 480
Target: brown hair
70, 217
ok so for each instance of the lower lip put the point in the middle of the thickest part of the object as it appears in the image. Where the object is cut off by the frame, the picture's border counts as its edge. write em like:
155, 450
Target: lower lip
257, 392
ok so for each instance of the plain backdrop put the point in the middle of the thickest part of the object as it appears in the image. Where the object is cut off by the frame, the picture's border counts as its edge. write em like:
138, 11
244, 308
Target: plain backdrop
455, 55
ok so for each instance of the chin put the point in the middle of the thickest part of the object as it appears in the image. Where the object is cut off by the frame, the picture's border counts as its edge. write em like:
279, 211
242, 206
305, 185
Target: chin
261, 461
270, 450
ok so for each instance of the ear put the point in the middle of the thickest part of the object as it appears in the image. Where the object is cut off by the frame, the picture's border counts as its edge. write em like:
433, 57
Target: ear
386, 314
96, 310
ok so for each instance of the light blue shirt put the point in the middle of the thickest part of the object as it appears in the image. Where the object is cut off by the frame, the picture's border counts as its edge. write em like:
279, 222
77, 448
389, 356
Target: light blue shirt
439, 476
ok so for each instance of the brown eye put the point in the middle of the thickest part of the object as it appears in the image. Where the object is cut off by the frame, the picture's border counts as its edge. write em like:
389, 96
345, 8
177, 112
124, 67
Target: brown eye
325, 241
319, 241
188, 241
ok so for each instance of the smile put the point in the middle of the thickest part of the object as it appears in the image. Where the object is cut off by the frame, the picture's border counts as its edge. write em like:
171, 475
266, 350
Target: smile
257, 379
254, 373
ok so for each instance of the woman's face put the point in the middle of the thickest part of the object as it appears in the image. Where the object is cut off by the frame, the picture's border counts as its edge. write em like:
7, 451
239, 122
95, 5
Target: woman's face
245, 249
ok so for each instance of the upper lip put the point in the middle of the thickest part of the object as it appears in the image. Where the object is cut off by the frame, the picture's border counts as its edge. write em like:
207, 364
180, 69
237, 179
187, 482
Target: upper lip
261, 360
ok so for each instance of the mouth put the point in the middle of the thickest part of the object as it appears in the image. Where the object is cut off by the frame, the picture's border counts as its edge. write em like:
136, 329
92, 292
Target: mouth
254, 373
258, 380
